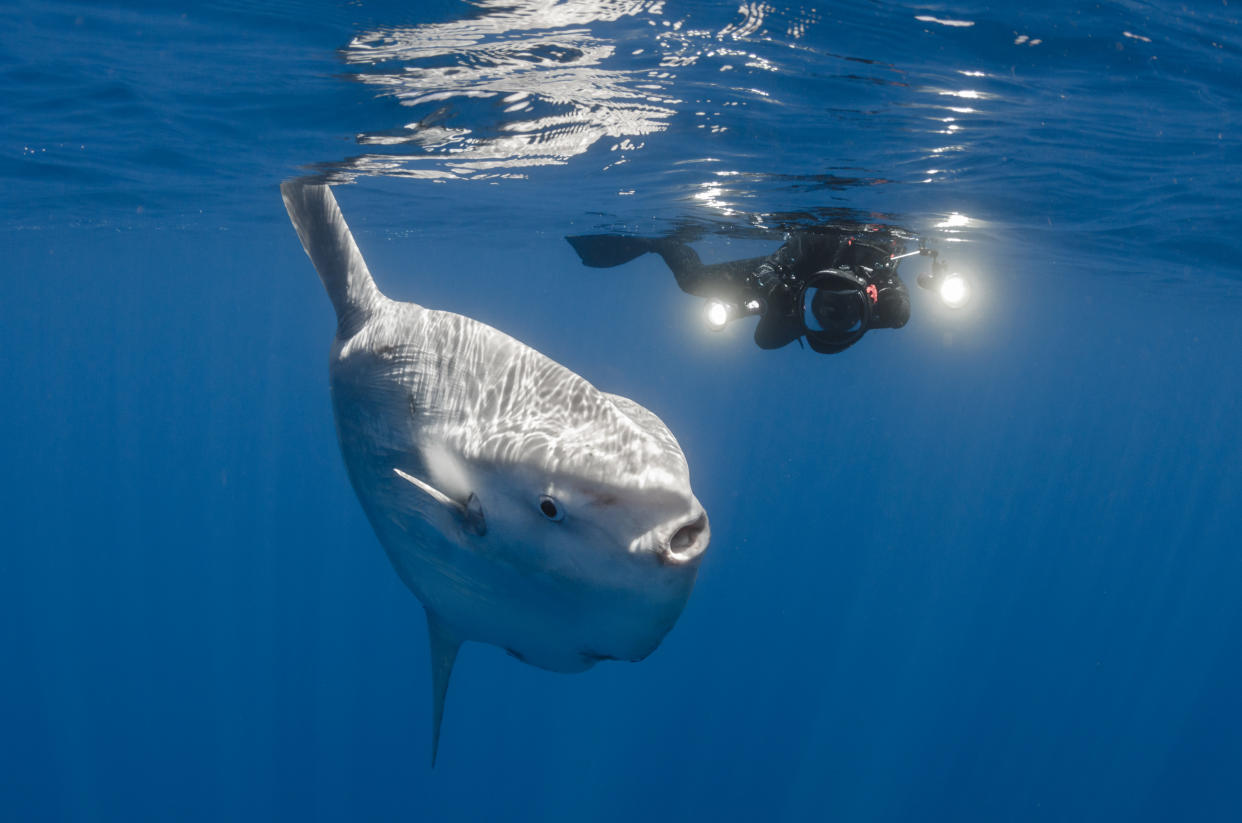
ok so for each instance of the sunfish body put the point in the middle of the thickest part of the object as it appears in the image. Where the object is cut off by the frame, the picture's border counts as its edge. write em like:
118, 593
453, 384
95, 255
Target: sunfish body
524, 507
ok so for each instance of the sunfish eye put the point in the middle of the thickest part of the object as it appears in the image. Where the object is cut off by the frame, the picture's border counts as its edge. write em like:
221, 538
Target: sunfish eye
551, 508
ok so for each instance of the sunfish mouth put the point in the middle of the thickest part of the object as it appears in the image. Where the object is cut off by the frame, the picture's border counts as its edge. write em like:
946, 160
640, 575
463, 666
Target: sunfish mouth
679, 543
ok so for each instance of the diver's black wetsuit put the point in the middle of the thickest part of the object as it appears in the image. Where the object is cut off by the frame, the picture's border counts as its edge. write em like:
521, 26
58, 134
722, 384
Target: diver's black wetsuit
777, 280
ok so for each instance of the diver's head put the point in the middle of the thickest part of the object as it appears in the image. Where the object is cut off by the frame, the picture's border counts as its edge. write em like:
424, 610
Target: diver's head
836, 309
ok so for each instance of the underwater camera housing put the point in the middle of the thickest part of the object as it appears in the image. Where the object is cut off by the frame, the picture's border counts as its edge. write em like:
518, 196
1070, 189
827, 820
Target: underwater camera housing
835, 309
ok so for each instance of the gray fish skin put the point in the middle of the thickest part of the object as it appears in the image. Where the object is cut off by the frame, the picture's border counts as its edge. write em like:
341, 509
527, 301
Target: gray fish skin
455, 434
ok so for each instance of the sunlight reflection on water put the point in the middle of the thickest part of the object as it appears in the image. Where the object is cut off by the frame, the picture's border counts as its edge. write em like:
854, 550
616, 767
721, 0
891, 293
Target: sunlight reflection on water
537, 83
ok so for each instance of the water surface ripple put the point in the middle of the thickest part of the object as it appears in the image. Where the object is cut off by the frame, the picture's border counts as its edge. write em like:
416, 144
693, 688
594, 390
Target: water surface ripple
1109, 130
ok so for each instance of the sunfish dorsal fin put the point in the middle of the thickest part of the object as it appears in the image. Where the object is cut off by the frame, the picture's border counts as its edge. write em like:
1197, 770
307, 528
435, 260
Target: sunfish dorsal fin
330, 245
444, 646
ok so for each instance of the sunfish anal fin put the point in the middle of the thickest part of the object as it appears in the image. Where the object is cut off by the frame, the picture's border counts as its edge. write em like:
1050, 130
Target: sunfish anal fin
444, 646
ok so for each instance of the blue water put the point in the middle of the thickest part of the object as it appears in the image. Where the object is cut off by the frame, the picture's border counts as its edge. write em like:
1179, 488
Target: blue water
985, 567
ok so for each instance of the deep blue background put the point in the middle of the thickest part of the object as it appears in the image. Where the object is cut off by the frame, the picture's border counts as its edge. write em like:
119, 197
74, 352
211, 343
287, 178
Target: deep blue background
982, 568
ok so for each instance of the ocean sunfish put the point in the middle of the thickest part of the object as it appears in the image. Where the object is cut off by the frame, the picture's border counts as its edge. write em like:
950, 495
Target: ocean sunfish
524, 507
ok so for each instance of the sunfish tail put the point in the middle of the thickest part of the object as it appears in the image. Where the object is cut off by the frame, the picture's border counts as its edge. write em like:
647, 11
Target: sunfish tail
330, 245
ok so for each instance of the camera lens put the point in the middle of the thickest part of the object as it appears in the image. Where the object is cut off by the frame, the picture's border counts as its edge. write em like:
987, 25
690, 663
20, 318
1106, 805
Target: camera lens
835, 309
832, 311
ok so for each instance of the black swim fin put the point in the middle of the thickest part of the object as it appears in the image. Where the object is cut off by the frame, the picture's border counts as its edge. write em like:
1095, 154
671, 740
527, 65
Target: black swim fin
603, 251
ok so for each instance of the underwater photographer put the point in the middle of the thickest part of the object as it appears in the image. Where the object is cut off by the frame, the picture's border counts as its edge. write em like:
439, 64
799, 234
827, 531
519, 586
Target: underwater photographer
828, 285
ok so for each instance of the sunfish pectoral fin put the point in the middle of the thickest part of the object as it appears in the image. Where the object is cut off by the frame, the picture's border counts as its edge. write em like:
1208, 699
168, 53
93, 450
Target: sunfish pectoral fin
444, 646
470, 512
472, 516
